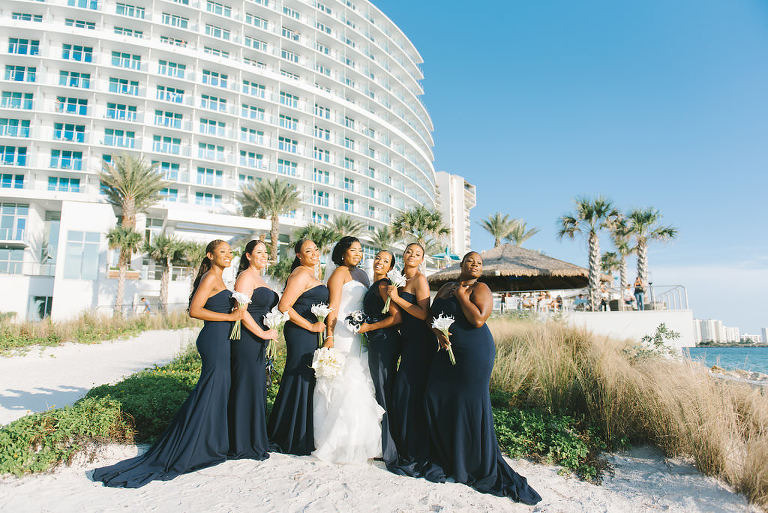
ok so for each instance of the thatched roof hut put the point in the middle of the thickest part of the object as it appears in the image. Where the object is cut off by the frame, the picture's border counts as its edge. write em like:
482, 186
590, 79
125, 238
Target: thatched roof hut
509, 267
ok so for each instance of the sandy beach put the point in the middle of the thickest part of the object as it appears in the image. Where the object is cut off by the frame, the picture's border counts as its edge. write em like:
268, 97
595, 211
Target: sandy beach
642, 481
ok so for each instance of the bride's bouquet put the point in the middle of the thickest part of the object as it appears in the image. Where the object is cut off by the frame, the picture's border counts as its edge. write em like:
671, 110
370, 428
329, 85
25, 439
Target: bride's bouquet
242, 302
397, 279
443, 323
274, 320
353, 321
321, 311
327, 362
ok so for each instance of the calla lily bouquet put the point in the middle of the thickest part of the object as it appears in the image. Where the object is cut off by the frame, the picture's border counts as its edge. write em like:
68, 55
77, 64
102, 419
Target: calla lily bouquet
353, 321
397, 279
327, 362
274, 320
443, 324
242, 302
321, 311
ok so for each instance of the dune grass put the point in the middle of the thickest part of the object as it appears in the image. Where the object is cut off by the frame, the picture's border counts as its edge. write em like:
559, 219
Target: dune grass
89, 328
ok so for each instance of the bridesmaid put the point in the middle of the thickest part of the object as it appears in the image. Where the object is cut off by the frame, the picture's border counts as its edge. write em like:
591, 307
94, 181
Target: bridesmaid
248, 395
457, 400
197, 436
290, 427
383, 345
408, 424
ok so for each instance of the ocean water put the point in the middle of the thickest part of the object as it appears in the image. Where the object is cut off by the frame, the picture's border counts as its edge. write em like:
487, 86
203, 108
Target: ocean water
754, 359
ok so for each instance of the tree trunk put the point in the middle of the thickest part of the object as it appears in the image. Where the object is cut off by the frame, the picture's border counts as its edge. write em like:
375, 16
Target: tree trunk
496, 243
273, 236
164, 285
642, 260
622, 281
594, 270
129, 214
123, 269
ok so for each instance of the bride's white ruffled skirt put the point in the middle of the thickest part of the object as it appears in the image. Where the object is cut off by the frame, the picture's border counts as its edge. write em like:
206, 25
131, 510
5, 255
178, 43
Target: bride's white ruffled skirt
347, 418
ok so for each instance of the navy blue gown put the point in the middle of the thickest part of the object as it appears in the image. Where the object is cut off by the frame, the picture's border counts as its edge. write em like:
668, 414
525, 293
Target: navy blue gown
408, 423
248, 395
291, 428
459, 415
383, 352
197, 437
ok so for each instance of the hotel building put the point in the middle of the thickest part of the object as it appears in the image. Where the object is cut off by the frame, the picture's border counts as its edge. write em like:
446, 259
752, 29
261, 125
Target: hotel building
456, 197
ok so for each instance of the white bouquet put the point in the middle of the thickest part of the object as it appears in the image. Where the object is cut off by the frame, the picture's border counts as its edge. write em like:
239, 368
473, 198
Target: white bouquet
397, 279
242, 302
443, 323
274, 320
321, 311
327, 362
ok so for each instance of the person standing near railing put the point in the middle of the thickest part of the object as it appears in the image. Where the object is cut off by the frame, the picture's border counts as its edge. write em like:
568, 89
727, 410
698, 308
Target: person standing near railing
640, 293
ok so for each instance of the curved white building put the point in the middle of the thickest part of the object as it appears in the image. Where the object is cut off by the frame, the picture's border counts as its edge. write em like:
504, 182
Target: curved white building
218, 93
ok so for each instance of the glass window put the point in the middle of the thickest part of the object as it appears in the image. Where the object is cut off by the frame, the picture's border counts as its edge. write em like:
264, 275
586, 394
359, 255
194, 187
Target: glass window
175, 20
13, 155
121, 111
81, 257
217, 8
84, 4
10, 181
130, 10
70, 22
66, 159
172, 69
286, 167
13, 100
75, 79
10, 127
13, 221
25, 16
11, 260
69, 132
214, 78
20, 73
63, 184
23, 46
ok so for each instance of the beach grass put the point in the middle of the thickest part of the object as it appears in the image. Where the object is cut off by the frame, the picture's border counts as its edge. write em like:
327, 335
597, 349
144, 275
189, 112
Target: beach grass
89, 328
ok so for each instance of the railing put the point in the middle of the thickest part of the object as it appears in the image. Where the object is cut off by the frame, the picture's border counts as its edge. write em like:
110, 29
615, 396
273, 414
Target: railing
673, 297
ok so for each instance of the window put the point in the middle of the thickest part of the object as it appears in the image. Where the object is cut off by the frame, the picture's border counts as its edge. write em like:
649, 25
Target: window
216, 52
289, 122
322, 112
371, 211
254, 89
174, 20
11, 260
252, 112
212, 127
171, 69
170, 94
322, 133
20, 73
170, 145
13, 100
286, 144
320, 198
244, 179
289, 99
13, 155
126, 60
63, 184
121, 138
210, 151
65, 159
349, 143
289, 56
255, 63
169, 119
349, 163
324, 69
323, 28
206, 176
84, 4
256, 21
121, 111
318, 218
323, 8
25, 16
322, 48
349, 122
213, 103
13, 221
123, 86
286, 167
217, 8
130, 10
291, 34
169, 194
256, 44
214, 78
290, 75
81, 255
349, 184
10, 127
349, 205
321, 176
293, 13
251, 135
173, 41
217, 32
250, 159
168, 170
349, 62
129, 32
23, 46
75, 79
371, 192
321, 154
69, 132
70, 22
9, 181
207, 198
77, 53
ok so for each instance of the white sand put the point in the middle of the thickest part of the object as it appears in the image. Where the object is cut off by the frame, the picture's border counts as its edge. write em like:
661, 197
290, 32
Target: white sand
48, 377
643, 481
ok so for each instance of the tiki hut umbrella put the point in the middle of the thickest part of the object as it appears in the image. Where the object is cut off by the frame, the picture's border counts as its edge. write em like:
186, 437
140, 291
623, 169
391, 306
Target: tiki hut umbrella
509, 268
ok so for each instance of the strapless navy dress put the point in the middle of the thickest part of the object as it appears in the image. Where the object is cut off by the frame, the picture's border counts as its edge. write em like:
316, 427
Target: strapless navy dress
408, 423
459, 415
248, 395
290, 427
383, 352
197, 437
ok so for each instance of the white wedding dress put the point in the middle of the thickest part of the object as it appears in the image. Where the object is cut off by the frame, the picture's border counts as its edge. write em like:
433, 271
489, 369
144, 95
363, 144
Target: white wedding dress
347, 418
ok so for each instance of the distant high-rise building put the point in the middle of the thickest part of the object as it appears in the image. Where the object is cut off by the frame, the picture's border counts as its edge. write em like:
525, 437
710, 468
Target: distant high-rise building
456, 197
765, 335
697, 331
732, 334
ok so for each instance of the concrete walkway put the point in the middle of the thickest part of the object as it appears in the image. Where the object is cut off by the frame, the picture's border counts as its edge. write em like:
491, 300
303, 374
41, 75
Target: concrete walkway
58, 376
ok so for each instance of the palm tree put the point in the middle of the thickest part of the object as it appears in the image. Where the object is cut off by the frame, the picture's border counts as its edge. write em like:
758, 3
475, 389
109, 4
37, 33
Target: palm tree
131, 185
419, 224
193, 254
620, 236
165, 249
344, 225
590, 217
128, 241
383, 238
644, 226
519, 232
498, 225
269, 199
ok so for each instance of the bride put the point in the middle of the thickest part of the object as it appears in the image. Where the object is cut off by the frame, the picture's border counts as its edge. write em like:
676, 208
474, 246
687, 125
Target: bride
347, 418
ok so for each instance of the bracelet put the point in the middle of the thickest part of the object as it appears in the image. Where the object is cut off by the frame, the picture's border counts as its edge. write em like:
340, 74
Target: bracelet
328, 336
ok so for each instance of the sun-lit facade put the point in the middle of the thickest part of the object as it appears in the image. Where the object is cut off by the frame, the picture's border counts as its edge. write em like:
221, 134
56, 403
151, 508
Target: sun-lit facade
218, 94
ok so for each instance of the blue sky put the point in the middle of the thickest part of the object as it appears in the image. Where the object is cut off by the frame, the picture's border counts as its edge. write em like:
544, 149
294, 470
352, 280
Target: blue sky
648, 102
